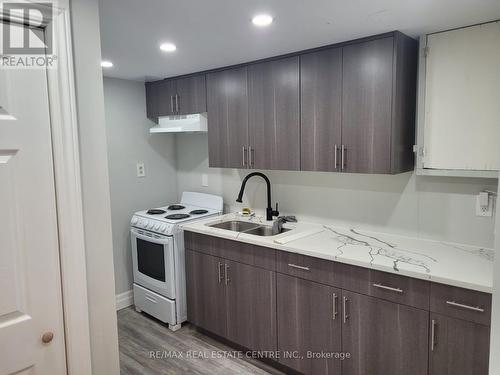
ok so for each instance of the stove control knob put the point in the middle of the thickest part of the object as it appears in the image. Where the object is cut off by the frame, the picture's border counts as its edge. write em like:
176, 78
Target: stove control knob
134, 220
156, 226
163, 228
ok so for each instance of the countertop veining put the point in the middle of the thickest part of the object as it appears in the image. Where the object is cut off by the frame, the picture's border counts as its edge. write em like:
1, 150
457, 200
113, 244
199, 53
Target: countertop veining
443, 262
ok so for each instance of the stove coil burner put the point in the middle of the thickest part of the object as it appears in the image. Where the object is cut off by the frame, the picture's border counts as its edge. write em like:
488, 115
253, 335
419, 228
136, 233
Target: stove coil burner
175, 207
177, 216
156, 211
198, 212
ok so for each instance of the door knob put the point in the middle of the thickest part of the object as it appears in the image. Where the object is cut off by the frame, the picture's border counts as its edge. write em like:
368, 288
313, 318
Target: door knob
47, 337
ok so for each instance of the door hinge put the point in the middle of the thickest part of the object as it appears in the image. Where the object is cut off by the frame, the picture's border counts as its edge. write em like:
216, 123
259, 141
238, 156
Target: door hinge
426, 51
420, 151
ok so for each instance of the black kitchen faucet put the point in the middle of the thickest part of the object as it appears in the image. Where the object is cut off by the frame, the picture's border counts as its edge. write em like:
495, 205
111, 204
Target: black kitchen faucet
269, 210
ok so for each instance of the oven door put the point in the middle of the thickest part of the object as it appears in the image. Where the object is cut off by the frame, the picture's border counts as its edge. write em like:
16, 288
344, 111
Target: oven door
153, 261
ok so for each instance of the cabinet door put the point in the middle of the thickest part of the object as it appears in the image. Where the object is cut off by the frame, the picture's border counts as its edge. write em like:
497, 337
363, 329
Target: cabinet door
308, 321
152, 100
321, 108
166, 97
383, 337
191, 95
458, 347
366, 106
273, 89
251, 306
227, 104
205, 292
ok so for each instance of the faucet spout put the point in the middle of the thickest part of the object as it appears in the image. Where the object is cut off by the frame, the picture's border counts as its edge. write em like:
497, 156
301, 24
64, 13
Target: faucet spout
269, 210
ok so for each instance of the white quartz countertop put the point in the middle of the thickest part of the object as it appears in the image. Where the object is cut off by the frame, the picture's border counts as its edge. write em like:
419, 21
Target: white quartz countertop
442, 262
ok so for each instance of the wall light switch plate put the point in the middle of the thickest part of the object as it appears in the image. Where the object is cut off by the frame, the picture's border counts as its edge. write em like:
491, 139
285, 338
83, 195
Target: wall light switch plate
484, 206
204, 179
141, 171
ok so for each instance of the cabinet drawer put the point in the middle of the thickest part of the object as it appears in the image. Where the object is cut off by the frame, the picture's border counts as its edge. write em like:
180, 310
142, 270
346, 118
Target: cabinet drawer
461, 303
305, 267
395, 288
400, 289
232, 250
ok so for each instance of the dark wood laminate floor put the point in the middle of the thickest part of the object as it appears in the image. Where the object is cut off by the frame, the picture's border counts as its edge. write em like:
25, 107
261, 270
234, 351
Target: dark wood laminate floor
140, 336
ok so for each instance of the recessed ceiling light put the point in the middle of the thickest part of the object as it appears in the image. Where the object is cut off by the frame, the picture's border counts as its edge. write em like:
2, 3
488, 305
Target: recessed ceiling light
106, 64
262, 20
168, 47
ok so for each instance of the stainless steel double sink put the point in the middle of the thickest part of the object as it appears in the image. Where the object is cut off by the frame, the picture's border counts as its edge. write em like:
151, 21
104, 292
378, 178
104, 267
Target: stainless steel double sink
248, 228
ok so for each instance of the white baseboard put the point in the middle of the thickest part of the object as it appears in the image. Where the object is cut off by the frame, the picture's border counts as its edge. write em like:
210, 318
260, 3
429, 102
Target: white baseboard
124, 299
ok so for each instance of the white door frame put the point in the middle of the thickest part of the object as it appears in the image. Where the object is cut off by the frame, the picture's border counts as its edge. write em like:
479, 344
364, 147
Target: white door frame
64, 127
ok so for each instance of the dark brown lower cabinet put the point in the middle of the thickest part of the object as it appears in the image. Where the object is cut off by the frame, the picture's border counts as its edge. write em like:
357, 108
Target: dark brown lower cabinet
309, 321
383, 338
233, 300
458, 347
206, 295
303, 308
251, 306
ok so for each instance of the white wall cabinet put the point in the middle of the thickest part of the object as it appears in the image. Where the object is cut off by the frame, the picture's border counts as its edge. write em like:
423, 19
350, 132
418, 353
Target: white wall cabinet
459, 102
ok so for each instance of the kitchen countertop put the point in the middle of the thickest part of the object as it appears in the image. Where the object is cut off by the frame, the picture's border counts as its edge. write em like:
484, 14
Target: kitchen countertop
442, 262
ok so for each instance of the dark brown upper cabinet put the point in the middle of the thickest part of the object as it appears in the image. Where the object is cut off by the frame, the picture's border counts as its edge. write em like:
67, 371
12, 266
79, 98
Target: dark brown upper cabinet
227, 107
191, 95
273, 114
378, 105
180, 96
348, 107
358, 106
321, 110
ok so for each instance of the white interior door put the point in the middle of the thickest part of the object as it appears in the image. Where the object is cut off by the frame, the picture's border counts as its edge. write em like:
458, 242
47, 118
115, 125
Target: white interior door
30, 285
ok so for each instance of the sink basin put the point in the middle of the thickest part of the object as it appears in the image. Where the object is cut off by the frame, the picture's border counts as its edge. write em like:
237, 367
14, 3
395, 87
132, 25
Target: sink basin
235, 225
265, 231
247, 228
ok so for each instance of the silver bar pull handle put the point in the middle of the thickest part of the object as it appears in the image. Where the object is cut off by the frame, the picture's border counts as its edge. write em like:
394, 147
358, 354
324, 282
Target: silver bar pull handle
226, 274
334, 307
172, 103
397, 290
335, 151
219, 272
344, 307
250, 156
342, 157
433, 334
244, 161
177, 99
467, 307
299, 267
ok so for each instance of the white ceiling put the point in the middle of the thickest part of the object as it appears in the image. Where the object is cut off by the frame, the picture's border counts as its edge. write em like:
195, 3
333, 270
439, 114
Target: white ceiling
215, 33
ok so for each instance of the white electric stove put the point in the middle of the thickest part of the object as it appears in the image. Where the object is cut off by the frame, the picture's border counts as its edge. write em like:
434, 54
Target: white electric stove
158, 255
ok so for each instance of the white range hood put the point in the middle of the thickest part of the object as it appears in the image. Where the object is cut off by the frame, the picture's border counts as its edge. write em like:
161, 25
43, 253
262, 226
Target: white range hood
181, 124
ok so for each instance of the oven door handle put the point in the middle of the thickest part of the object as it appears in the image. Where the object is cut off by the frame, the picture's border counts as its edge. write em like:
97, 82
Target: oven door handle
160, 241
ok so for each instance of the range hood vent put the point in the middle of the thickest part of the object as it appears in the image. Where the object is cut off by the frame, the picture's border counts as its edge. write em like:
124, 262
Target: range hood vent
181, 124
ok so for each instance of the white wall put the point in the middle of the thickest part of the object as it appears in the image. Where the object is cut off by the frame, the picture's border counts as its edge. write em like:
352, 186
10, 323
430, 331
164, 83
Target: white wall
129, 142
430, 207
95, 186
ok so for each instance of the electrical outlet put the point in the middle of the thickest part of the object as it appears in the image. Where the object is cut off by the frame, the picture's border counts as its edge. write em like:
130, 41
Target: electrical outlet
204, 179
141, 172
484, 208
